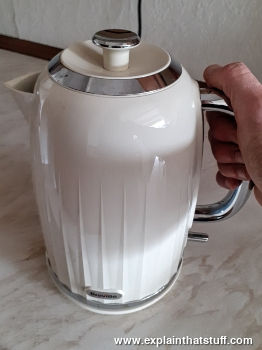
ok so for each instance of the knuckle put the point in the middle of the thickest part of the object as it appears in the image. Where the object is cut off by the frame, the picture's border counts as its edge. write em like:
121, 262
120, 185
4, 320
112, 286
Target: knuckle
218, 153
235, 69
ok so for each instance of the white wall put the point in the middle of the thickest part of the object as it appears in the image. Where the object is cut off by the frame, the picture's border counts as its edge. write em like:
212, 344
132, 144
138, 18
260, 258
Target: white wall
197, 32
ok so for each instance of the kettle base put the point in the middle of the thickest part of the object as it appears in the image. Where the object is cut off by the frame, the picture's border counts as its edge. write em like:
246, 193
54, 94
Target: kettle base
116, 308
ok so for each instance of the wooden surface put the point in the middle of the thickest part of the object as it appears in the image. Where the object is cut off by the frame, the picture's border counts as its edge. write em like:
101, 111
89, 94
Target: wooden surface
28, 47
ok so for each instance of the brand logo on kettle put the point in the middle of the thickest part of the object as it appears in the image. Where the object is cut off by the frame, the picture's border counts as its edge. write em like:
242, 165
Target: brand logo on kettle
102, 294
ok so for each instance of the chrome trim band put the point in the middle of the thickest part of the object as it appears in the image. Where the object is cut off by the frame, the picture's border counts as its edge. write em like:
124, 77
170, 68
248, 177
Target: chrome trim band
112, 87
112, 307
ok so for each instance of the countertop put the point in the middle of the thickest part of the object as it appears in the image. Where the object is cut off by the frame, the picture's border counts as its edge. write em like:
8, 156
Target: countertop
219, 291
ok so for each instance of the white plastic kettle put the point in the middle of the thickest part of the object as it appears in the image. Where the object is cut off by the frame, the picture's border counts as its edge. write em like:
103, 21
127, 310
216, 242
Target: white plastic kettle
117, 138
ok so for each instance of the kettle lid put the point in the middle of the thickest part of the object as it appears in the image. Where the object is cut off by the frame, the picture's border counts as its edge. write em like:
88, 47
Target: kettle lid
116, 38
114, 63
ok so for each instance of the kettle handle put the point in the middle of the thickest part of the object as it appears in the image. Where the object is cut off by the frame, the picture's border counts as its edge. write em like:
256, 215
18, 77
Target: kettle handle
234, 199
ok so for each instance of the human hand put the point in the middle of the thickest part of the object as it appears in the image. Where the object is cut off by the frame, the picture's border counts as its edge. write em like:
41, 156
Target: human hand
237, 142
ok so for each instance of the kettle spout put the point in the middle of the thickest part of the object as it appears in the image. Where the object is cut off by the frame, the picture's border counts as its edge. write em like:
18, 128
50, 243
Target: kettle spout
22, 89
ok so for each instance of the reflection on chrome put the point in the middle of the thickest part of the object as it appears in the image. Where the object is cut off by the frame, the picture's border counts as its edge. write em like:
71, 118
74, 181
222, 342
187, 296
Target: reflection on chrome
112, 87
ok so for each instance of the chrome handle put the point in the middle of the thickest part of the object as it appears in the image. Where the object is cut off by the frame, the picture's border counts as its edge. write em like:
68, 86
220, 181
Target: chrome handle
227, 207
197, 237
234, 200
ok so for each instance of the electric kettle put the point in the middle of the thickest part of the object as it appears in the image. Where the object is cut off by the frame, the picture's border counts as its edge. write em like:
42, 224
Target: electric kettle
116, 138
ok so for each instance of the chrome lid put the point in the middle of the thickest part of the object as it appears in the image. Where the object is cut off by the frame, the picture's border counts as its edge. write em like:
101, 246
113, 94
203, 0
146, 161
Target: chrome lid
116, 38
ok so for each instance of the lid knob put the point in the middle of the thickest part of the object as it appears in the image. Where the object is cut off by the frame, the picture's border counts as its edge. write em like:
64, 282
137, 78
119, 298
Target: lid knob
116, 44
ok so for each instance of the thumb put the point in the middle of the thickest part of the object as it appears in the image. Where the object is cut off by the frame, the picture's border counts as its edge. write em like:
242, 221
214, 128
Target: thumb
239, 85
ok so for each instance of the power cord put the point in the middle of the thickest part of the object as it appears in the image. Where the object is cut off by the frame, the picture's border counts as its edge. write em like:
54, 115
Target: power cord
139, 17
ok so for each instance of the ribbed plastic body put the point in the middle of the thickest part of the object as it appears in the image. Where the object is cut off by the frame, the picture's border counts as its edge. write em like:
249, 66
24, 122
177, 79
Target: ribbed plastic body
116, 181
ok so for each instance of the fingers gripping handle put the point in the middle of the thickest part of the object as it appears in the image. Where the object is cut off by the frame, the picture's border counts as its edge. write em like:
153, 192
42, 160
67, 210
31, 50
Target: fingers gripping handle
234, 200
